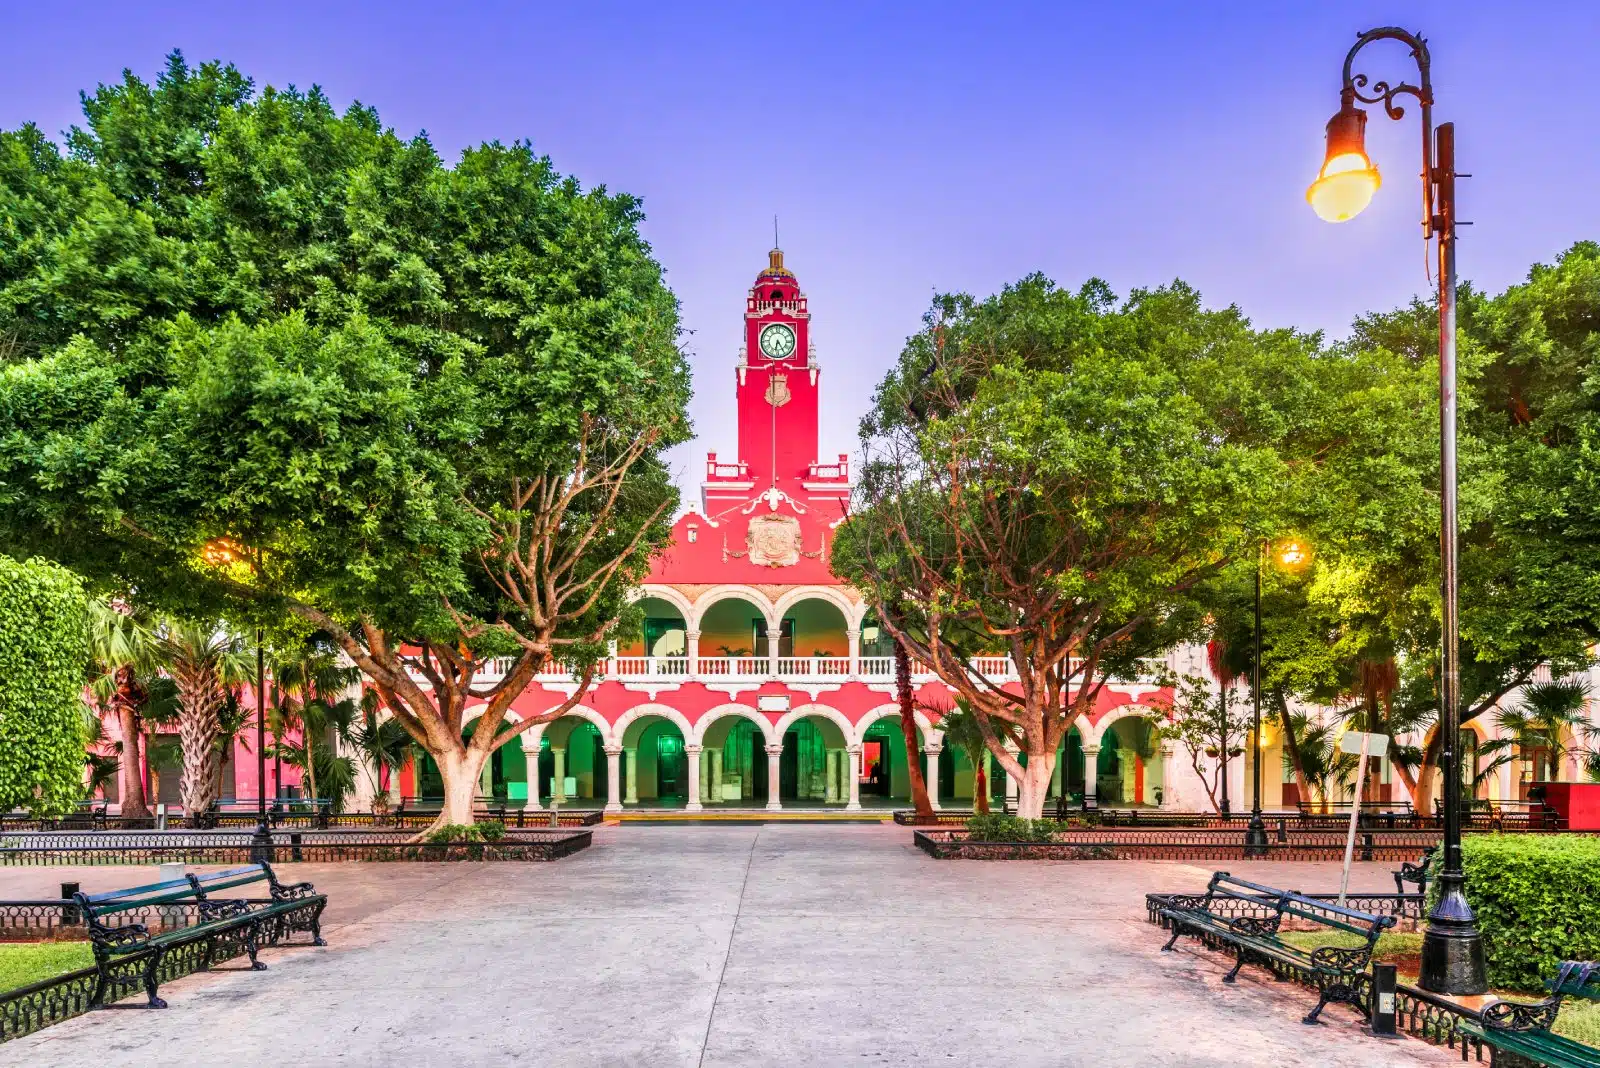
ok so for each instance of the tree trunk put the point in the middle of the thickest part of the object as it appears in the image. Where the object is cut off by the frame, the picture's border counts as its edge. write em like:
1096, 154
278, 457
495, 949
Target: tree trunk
460, 769
1034, 785
1292, 746
200, 701
980, 788
908, 728
133, 805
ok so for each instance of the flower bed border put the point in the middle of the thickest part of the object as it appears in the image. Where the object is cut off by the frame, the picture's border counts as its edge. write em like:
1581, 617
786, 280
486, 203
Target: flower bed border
1120, 843
92, 848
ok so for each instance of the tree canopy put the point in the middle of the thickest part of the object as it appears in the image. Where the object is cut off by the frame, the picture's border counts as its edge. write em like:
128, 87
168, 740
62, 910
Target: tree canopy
271, 361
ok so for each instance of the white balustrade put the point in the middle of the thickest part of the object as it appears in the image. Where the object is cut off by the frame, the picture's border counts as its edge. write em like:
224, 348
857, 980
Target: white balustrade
637, 667
877, 667
811, 667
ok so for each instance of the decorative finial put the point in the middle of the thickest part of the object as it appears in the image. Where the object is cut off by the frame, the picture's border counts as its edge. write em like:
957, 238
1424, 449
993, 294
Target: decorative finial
774, 230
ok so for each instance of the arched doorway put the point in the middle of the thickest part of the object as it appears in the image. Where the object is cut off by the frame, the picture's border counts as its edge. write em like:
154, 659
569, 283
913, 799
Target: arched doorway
572, 763
655, 763
733, 761
885, 773
814, 768
733, 638
660, 646
1128, 769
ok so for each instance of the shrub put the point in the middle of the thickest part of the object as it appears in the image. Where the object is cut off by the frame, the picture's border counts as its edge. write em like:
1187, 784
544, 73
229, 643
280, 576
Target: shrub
453, 832
44, 659
490, 830
999, 828
1537, 898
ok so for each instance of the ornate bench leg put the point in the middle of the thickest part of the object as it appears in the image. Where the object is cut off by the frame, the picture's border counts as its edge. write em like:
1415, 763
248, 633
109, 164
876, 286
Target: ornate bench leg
151, 979
1177, 929
1311, 1017
316, 924
252, 935
1237, 964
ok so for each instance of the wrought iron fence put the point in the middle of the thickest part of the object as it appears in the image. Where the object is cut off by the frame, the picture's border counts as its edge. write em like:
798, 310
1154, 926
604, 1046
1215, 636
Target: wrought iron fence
414, 818
232, 847
1174, 844
1506, 822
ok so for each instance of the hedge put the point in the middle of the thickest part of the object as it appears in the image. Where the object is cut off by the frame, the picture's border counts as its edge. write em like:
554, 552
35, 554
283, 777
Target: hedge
1537, 898
44, 661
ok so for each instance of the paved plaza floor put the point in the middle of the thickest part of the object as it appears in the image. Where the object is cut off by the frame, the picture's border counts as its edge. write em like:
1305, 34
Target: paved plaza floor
729, 945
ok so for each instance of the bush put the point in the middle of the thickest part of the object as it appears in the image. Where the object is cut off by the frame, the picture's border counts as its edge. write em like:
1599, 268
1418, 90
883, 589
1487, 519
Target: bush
1537, 898
44, 660
998, 828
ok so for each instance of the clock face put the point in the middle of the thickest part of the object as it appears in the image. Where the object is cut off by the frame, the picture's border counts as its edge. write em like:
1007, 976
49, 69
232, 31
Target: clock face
777, 340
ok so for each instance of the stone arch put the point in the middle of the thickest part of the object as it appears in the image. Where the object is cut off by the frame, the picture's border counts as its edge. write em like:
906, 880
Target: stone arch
666, 593
834, 595
827, 712
731, 591
637, 712
926, 731
580, 711
1094, 734
712, 715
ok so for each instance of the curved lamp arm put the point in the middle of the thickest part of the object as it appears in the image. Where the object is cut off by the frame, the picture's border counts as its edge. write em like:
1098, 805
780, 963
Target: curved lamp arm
1385, 93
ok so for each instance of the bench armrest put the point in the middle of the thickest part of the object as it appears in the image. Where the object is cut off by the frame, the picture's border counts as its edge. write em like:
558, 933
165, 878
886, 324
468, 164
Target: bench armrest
126, 934
223, 908
1342, 958
1256, 925
1521, 1016
292, 891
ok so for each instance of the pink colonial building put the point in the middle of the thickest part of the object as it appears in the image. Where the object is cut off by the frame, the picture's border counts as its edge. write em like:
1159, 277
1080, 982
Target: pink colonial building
758, 679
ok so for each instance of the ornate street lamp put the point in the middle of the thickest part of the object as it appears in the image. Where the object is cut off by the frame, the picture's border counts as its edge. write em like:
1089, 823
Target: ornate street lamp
1452, 948
1291, 555
221, 552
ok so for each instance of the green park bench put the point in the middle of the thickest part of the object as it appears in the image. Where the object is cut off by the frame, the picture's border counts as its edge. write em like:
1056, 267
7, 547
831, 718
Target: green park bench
1522, 1029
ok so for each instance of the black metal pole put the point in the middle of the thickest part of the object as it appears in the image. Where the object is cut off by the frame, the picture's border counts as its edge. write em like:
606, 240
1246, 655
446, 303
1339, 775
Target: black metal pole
261, 841
1222, 750
1452, 947
1255, 836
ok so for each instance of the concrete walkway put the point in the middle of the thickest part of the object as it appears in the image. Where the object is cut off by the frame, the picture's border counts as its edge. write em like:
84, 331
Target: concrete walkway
719, 945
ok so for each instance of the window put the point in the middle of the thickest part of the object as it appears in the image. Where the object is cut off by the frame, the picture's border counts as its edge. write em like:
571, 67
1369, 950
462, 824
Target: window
785, 636
694, 535
777, 294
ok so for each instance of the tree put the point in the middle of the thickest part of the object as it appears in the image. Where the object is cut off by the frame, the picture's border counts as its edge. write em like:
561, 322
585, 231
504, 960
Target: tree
204, 663
302, 370
120, 650
381, 745
960, 728
1222, 671
310, 700
1550, 721
1051, 475
1194, 723
1329, 770
908, 731
44, 655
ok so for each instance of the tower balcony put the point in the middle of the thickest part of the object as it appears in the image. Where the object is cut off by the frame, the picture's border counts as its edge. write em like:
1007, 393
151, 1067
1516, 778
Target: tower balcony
723, 471
834, 472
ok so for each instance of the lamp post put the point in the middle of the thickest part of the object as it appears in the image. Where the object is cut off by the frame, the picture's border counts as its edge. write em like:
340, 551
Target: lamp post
1452, 947
1255, 835
222, 552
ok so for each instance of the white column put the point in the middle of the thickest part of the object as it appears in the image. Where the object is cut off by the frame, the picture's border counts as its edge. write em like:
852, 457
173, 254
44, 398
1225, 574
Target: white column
716, 774
1058, 774
830, 792
1167, 800
1091, 754
854, 772
530, 757
774, 752
558, 785
773, 637
1012, 786
854, 635
632, 754
694, 778
613, 778
611, 658
931, 775
692, 638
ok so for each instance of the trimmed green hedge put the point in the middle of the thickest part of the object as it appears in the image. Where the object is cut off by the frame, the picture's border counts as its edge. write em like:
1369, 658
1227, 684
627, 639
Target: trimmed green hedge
1000, 828
1537, 898
44, 661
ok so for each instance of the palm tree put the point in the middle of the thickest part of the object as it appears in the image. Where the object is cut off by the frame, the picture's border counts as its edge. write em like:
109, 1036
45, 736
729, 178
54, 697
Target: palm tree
1378, 679
1549, 720
1324, 766
1223, 671
204, 662
308, 700
123, 655
961, 730
102, 768
381, 745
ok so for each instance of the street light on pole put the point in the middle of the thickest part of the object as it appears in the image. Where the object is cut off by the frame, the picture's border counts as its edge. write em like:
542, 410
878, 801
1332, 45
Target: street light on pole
1452, 947
1292, 555
221, 552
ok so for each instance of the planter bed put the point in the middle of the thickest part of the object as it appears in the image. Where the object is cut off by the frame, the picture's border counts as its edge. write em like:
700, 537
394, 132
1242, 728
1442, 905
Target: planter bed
1115, 843
234, 847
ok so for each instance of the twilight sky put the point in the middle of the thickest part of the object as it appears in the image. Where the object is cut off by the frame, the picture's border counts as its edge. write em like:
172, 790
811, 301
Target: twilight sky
916, 148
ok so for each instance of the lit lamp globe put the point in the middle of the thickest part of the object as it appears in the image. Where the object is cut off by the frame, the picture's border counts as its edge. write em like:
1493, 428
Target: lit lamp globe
1345, 185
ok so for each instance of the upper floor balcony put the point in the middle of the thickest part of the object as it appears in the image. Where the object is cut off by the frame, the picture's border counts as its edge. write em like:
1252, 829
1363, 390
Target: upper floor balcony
798, 669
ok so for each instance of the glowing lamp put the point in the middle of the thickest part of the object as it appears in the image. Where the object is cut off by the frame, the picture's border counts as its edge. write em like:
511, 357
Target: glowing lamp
1292, 554
1347, 181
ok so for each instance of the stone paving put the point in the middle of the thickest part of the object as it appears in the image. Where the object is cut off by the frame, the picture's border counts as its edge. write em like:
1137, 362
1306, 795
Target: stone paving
730, 945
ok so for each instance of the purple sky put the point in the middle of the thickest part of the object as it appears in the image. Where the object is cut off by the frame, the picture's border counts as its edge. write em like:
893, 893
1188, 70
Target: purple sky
914, 148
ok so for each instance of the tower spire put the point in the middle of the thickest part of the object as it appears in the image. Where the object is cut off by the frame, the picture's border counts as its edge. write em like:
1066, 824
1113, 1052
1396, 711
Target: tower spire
774, 229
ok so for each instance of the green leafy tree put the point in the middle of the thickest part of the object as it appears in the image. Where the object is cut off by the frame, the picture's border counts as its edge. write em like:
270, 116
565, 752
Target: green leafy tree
44, 655
284, 367
1550, 720
1053, 476
1196, 722
121, 669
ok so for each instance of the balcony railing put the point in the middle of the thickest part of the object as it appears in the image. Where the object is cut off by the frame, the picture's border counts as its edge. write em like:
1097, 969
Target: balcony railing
837, 472
829, 668
738, 470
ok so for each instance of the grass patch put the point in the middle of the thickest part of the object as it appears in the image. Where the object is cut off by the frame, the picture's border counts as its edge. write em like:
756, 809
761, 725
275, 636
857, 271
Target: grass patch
1391, 944
1579, 1020
29, 962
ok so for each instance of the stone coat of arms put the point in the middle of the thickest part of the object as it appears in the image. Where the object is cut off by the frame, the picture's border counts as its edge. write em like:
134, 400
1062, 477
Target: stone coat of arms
774, 540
